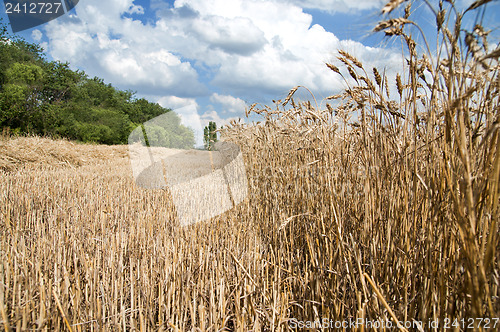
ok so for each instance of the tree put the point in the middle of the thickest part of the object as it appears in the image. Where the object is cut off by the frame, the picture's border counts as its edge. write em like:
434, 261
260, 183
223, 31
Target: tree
21, 97
49, 98
210, 135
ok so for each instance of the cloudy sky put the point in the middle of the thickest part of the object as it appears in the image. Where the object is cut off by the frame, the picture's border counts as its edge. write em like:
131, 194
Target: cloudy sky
216, 55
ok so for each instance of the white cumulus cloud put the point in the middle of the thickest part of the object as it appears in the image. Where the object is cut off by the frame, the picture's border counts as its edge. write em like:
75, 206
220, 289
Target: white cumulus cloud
174, 102
229, 103
105, 44
212, 115
339, 5
36, 35
250, 50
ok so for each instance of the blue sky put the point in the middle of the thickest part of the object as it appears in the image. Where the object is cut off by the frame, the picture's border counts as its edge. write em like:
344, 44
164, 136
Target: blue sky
218, 56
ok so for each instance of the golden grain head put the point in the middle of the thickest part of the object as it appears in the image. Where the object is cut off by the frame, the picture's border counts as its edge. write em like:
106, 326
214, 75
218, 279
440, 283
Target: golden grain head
377, 208
391, 5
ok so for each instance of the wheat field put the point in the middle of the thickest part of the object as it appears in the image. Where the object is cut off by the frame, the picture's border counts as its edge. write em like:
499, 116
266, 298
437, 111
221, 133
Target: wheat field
382, 205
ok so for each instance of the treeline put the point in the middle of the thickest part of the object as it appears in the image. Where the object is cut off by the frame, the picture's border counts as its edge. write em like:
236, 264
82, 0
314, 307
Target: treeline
48, 98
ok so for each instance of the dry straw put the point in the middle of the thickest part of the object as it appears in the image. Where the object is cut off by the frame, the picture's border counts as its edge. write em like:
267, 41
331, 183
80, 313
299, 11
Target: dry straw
373, 208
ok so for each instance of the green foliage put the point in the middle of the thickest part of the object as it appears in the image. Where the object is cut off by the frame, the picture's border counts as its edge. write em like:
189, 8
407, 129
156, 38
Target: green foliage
164, 131
210, 135
142, 110
24, 73
48, 98
20, 96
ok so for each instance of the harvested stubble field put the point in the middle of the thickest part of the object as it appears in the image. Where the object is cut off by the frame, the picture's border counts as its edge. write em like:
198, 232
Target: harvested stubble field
373, 208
